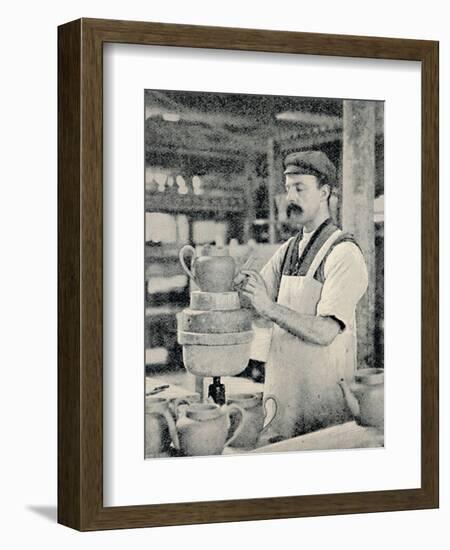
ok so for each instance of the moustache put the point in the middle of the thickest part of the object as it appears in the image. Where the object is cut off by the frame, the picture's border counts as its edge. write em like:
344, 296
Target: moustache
293, 208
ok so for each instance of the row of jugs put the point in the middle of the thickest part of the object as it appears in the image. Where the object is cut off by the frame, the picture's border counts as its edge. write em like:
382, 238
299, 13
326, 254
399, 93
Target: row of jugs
197, 428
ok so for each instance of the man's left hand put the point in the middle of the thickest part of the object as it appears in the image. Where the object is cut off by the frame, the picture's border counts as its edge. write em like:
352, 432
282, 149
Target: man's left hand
256, 292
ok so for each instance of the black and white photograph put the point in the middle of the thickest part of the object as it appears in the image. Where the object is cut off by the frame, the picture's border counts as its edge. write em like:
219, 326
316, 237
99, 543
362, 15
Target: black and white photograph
226, 266
264, 273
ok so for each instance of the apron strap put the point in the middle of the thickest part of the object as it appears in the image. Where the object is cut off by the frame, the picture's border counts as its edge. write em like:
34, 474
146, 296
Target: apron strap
323, 252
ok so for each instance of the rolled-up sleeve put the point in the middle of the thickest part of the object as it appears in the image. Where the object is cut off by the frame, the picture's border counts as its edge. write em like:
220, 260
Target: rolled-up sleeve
345, 282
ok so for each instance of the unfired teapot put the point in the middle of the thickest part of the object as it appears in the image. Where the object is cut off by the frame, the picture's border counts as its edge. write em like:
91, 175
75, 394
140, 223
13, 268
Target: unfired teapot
203, 428
213, 270
365, 397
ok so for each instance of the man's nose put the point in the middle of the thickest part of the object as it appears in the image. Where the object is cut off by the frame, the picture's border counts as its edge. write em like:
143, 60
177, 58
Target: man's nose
290, 195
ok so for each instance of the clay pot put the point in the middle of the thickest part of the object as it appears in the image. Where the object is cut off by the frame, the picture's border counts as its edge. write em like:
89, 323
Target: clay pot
238, 320
160, 428
365, 397
203, 428
212, 271
214, 301
253, 420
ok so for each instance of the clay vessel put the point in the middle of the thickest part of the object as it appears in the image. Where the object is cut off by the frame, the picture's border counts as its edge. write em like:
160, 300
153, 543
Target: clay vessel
253, 420
213, 270
160, 428
203, 428
365, 397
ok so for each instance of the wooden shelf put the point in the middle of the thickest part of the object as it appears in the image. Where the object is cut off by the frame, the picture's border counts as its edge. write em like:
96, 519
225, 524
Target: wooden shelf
152, 311
173, 203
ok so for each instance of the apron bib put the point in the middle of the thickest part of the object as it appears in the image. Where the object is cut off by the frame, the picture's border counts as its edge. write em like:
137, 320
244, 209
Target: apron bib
301, 376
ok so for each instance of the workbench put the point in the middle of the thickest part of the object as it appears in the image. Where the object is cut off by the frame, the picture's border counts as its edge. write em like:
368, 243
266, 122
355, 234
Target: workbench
344, 436
349, 435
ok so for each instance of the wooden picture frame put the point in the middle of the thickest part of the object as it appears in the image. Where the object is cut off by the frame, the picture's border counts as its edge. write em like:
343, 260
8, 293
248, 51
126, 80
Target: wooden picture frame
80, 272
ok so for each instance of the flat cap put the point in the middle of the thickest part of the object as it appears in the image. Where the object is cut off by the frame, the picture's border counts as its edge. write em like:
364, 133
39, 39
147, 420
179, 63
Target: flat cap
315, 163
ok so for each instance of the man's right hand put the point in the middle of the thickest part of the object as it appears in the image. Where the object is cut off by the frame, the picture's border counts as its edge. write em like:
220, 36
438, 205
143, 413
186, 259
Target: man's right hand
239, 281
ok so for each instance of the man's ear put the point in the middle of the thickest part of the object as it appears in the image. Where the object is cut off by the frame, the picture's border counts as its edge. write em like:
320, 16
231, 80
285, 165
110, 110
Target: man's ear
326, 191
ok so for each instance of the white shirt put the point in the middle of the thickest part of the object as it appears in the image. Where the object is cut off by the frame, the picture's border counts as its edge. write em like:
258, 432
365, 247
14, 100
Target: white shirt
345, 275
304, 241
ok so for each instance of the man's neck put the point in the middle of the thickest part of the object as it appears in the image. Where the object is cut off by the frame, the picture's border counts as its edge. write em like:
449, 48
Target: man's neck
314, 224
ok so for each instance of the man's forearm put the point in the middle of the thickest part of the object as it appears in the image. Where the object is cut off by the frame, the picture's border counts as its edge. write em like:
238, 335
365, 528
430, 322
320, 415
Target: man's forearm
311, 328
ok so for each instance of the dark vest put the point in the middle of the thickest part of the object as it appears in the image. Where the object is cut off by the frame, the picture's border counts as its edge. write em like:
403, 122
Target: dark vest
296, 266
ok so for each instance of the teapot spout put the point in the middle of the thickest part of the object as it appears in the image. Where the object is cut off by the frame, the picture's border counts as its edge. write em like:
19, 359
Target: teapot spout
350, 399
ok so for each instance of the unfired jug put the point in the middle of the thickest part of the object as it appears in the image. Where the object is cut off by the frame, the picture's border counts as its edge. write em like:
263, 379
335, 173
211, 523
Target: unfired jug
160, 428
253, 419
213, 270
203, 428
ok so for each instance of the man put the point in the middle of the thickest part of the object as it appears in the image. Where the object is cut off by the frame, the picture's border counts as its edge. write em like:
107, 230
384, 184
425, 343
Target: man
309, 290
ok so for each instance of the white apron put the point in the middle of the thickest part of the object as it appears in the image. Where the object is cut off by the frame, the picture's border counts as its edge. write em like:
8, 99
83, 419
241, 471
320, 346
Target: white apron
303, 376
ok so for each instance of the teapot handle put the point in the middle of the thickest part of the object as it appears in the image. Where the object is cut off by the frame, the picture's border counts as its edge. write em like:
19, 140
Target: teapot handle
267, 398
172, 429
239, 427
184, 249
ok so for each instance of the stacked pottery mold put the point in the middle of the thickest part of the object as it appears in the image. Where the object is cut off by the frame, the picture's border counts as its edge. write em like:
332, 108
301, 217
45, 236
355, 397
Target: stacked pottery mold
215, 333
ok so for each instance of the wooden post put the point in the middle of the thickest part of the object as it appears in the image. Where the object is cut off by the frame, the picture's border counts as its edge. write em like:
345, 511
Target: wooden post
336, 200
358, 194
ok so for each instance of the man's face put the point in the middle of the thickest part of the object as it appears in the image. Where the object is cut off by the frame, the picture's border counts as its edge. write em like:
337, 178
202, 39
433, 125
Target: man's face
304, 197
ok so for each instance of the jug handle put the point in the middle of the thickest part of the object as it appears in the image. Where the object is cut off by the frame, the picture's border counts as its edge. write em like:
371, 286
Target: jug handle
348, 392
191, 249
238, 430
274, 399
172, 429
176, 404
